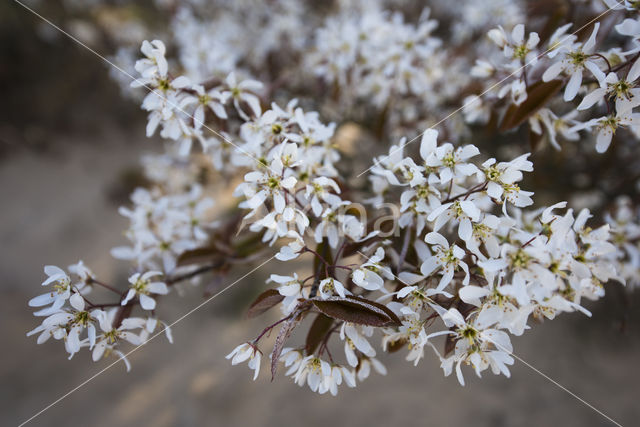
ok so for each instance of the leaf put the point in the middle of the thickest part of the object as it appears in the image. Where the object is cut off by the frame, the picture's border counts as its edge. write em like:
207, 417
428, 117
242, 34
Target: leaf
357, 310
317, 332
537, 95
197, 256
285, 332
264, 302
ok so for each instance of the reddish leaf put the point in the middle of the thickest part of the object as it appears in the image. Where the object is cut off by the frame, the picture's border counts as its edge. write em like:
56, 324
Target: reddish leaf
264, 302
357, 310
537, 95
317, 332
285, 331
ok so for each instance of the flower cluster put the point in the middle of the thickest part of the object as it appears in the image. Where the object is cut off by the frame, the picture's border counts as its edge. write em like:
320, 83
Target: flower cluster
565, 62
162, 226
474, 259
467, 257
378, 56
71, 317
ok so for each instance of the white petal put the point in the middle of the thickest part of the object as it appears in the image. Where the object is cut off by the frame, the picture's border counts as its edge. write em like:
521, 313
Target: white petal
147, 303
553, 71
592, 98
428, 143
573, 86
158, 288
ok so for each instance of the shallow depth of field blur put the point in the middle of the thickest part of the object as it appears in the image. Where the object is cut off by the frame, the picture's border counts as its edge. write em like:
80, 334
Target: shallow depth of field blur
69, 149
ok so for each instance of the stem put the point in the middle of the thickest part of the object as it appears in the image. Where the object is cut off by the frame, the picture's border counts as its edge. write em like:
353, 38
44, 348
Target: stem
323, 346
405, 247
303, 207
478, 188
91, 280
126, 309
344, 244
122, 314
314, 288
268, 328
308, 249
173, 280
605, 60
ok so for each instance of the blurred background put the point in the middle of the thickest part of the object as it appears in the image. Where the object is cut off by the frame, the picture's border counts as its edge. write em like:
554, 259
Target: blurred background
69, 148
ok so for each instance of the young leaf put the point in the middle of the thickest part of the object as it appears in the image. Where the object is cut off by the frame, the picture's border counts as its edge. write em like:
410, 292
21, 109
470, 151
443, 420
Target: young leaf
264, 302
318, 330
537, 95
357, 310
285, 331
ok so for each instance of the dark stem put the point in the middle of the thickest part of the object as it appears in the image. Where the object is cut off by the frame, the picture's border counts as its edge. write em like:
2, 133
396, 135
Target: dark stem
173, 280
478, 188
270, 327
405, 247
91, 280
605, 60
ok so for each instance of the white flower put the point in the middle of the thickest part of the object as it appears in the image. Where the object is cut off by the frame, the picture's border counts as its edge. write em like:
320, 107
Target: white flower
447, 258
212, 99
260, 185
367, 276
354, 340
57, 296
606, 127
241, 92
364, 369
142, 286
464, 211
292, 249
110, 335
330, 286
290, 288
312, 370
155, 62
244, 352
629, 27
331, 382
474, 110
559, 39
452, 161
554, 125
622, 90
317, 191
69, 324
477, 344
501, 177
482, 69
520, 50
162, 226
573, 59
